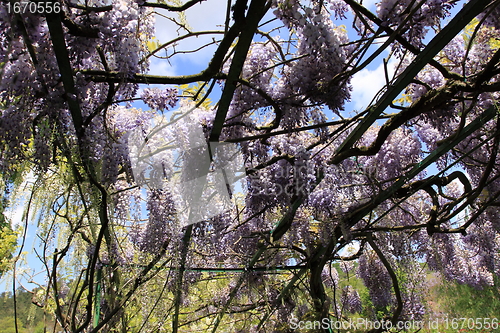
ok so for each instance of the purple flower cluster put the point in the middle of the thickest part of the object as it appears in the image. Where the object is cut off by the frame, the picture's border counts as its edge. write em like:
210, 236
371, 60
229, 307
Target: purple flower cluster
430, 13
161, 221
159, 99
470, 261
376, 279
321, 54
350, 300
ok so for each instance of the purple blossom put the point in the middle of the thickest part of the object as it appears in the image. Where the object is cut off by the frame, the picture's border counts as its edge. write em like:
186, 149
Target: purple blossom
430, 13
158, 99
376, 279
350, 300
161, 223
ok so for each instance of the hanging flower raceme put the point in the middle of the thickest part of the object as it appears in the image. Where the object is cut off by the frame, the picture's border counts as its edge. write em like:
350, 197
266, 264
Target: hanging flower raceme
159, 99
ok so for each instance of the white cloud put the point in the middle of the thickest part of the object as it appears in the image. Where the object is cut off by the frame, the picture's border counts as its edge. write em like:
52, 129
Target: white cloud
370, 4
15, 212
15, 215
161, 67
367, 83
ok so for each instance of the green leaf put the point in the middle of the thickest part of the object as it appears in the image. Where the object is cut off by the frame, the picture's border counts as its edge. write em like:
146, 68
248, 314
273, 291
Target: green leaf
153, 44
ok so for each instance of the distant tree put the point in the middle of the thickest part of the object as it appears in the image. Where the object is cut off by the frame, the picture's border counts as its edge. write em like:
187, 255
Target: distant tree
132, 240
30, 317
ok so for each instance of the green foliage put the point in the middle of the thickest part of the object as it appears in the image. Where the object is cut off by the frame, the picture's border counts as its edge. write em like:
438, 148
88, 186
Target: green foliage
469, 31
153, 44
460, 300
30, 318
494, 43
8, 240
7, 325
197, 91
405, 99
